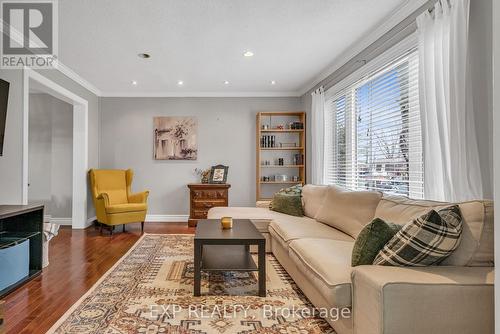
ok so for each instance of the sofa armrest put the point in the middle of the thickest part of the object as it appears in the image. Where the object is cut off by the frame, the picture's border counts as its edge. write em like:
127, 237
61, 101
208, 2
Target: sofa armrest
423, 300
141, 197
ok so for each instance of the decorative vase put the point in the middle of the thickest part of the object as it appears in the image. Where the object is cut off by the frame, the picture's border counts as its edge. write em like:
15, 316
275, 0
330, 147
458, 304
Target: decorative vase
205, 176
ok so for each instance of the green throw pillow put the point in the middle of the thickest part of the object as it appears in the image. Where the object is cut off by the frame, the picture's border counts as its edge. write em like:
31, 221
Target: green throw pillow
289, 201
371, 240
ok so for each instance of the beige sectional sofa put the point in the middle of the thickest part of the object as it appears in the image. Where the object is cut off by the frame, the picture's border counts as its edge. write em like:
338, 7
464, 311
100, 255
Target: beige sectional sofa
455, 297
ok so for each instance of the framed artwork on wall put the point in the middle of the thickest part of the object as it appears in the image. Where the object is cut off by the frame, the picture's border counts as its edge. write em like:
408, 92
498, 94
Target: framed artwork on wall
175, 138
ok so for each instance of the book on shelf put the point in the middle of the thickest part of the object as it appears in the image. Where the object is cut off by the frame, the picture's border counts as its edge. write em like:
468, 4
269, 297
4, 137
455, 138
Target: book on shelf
268, 141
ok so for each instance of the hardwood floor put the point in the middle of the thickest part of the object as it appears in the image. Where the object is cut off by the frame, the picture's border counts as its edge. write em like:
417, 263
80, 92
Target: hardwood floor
78, 258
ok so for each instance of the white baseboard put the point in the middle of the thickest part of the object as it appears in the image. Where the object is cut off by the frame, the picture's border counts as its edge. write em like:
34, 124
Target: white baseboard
54, 220
166, 218
64, 221
149, 218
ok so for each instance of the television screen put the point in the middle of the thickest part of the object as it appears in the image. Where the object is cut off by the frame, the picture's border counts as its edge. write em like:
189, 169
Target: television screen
4, 98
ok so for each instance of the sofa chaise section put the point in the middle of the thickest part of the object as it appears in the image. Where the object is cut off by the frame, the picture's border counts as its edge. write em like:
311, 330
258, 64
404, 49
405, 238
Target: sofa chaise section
431, 300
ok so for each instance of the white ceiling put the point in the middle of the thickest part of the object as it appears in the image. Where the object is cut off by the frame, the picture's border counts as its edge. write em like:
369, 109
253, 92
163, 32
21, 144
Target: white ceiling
201, 42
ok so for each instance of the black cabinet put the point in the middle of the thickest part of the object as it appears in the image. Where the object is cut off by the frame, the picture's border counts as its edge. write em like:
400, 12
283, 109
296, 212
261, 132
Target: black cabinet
19, 223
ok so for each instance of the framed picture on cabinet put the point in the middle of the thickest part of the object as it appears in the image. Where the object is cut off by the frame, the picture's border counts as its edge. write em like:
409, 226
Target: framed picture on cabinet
218, 174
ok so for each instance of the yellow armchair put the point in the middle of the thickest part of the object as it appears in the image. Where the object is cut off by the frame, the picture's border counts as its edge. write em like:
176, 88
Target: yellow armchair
114, 202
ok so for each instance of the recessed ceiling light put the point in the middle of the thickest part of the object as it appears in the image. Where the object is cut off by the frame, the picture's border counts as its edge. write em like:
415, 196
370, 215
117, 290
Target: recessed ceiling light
180, 82
248, 54
144, 55
273, 82
134, 83
226, 82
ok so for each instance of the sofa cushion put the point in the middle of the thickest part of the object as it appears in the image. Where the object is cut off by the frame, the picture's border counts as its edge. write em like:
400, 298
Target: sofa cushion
292, 228
312, 198
400, 210
424, 241
348, 211
476, 245
241, 213
327, 264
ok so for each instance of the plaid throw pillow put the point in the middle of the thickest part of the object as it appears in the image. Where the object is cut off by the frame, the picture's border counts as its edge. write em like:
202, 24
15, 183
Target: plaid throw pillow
424, 241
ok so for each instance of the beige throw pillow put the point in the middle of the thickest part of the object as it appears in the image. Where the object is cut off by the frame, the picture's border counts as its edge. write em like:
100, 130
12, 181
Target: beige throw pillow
348, 211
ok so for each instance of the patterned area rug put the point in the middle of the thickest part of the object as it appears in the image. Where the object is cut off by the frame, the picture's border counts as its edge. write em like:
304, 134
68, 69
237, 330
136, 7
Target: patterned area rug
150, 290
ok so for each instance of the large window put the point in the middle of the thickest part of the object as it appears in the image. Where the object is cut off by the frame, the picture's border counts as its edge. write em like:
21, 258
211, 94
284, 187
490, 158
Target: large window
372, 131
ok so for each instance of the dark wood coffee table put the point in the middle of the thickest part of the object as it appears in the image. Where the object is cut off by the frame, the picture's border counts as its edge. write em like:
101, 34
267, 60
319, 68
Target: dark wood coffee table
216, 249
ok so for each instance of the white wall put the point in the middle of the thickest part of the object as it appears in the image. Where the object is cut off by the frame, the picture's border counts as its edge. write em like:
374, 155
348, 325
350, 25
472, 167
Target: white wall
51, 154
11, 163
62, 159
226, 133
480, 39
496, 148
40, 151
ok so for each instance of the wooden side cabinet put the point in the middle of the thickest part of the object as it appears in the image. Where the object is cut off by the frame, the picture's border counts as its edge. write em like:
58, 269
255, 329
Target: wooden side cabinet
203, 196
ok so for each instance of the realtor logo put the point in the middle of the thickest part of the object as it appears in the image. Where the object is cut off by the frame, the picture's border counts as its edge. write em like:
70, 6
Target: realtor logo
29, 34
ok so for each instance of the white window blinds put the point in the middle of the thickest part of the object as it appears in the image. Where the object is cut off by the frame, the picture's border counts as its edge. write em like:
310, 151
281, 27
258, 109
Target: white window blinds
372, 131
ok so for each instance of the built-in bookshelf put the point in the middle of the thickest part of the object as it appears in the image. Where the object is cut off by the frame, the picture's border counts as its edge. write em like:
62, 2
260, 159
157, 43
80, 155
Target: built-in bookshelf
280, 151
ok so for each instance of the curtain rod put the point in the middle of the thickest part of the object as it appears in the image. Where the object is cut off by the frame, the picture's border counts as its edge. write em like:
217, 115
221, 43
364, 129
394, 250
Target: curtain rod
389, 39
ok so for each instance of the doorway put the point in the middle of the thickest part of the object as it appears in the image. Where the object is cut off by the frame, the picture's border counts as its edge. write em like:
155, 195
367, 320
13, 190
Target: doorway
50, 156
78, 107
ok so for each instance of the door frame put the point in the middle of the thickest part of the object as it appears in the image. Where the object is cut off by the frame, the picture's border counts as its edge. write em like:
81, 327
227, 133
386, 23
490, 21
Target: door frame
80, 141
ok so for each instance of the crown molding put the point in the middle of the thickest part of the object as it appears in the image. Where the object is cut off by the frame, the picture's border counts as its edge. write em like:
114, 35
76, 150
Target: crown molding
398, 15
77, 78
86, 84
61, 67
201, 94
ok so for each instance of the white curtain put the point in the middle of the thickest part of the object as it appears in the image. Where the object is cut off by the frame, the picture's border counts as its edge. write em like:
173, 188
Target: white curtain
451, 160
318, 131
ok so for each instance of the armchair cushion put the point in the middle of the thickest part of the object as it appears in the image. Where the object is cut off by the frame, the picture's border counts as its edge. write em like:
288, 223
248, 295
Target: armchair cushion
128, 207
113, 183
